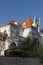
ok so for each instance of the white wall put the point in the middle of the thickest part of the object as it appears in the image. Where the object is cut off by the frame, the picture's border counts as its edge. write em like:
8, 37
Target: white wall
7, 28
16, 28
41, 38
20, 32
26, 32
2, 29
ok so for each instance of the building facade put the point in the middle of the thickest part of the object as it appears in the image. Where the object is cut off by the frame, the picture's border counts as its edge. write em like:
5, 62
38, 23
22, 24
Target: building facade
17, 33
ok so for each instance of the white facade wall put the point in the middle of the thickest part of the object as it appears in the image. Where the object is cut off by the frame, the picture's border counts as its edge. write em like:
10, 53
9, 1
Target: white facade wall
11, 30
26, 32
16, 29
41, 39
7, 28
2, 53
20, 32
2, 30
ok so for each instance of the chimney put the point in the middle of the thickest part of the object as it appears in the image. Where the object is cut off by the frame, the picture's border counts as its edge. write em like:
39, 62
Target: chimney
34, 19
16, 23
39, 25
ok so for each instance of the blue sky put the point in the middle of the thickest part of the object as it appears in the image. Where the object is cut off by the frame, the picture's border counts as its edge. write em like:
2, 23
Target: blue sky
20, 9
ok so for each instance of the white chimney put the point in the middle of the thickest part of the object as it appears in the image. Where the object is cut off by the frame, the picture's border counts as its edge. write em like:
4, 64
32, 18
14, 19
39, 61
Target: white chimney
39, 26
34, 22
34, 19
16, 23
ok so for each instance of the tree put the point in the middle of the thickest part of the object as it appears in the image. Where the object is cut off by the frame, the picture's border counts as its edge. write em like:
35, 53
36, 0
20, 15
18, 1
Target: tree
40, 51
26, 49
30, 45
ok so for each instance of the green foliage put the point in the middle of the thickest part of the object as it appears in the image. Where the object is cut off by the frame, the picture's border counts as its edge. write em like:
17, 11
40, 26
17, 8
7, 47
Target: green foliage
26, 49
40, 51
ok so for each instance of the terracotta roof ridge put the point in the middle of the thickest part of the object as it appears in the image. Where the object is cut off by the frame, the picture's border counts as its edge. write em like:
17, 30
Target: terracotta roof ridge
28, 22
8, 23
27, 18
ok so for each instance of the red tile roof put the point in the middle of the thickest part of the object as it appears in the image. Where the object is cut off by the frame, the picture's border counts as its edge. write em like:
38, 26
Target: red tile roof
9, 22
28, 22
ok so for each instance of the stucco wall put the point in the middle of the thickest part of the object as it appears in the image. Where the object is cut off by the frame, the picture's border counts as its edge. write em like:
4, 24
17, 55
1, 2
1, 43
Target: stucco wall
26, 32
19, 61
7, 28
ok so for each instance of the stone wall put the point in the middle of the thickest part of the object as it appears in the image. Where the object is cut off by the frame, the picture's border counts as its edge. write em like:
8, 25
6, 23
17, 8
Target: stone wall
19, 61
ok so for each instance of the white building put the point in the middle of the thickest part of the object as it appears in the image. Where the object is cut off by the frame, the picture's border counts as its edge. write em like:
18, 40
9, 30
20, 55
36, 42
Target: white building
18, 32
